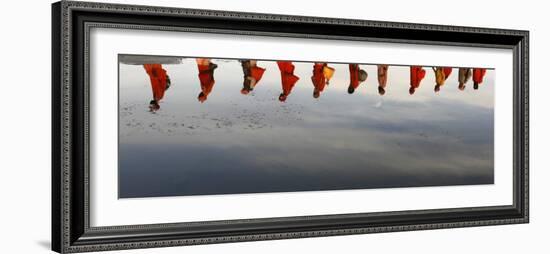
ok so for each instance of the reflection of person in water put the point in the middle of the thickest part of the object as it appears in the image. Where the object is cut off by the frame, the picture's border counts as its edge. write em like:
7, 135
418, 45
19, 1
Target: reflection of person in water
252, 75
206, 77
382, 78
356, 76
479, 73
417, 74
160, 82
441, 74
319, 78
464, 74
288, 79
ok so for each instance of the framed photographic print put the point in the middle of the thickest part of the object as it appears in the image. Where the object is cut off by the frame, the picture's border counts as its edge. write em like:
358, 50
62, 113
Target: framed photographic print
181, 126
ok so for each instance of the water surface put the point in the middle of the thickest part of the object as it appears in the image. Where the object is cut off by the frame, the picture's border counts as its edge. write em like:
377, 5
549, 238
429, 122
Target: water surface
234, 143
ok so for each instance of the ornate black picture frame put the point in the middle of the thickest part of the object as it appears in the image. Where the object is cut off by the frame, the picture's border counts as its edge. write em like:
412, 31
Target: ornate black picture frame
71, 231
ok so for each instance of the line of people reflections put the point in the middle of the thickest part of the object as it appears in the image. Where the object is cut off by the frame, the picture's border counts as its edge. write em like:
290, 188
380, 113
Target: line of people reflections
322, 73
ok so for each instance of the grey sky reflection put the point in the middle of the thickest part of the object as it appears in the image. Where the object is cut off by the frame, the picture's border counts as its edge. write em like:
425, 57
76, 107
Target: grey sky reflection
248, 144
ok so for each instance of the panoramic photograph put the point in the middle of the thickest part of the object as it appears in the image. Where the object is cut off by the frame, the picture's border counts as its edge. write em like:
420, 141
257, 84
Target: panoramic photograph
190, 125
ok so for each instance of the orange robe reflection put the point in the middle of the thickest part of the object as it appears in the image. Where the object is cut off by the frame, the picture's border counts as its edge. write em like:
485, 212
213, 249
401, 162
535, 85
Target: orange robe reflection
157, 75
478, 75
288, 79
206, 77
318, 79
441, 75
159, 83
417, 75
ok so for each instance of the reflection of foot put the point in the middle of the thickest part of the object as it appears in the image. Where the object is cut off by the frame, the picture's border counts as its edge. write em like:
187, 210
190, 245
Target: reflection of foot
168, 82
213, 66
245, 91
153, 106
351, 89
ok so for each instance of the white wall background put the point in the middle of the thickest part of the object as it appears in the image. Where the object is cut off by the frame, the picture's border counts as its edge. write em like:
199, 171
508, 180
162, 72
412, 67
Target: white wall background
25, 126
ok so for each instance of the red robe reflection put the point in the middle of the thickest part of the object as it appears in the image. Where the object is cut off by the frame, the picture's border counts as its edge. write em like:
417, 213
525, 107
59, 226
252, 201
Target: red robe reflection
256, 73
447, 71
158, 78
417, 74
477, 76
354, 75
288, 79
